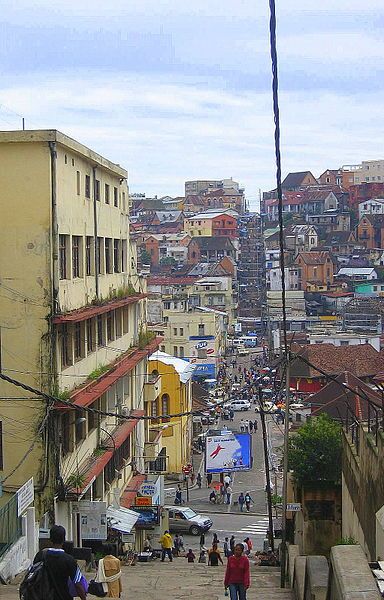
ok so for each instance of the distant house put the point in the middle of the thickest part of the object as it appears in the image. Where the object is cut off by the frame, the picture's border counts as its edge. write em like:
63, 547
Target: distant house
340, 242
331, 177
294, 181
374, 206
315, 270
362, 360
370, 288
210, 249
366, 274
370, 231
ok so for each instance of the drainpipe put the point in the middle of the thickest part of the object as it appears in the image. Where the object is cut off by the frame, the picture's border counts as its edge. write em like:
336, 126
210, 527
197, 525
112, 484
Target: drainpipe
95, 234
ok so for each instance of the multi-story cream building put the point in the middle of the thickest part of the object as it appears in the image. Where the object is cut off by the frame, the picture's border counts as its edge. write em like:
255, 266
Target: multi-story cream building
73, 324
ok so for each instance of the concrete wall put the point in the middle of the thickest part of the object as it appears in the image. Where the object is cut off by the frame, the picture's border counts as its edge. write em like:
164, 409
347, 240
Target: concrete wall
363, 490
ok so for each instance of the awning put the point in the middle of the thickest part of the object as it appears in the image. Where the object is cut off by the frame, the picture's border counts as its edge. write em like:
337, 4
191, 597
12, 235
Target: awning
81, 314
122, 519
129, 494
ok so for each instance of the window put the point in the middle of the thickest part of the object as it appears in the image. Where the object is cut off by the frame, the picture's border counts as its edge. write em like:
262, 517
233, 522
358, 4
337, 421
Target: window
73, 162
116, 256
123, 207
175, 331
80, 427
78, 342
100, 331
76, 256
162, 348
201, 329
125, 319
97, 189
108, 255
344, 343
375, 288
181, 331
100, 255
165, 405
175, 351
181, 351
66, 350
78, 183
154, 411
89, 249
91, 330
110, 326
167, 305
118, 323
65, 159
87, 186
115, 197
106, 193
123, 255
63, 256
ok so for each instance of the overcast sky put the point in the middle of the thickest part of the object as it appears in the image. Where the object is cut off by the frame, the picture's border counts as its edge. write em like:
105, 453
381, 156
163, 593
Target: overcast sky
175, 90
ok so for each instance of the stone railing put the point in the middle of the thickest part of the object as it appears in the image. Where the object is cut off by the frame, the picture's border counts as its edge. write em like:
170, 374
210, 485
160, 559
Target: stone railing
346, 577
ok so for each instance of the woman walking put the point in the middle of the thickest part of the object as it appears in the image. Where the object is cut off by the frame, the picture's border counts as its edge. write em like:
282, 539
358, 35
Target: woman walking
109, 573
237, 577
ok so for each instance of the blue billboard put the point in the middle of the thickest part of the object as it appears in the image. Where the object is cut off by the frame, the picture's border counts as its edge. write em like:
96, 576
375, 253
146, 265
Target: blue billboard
204, 370
228, 451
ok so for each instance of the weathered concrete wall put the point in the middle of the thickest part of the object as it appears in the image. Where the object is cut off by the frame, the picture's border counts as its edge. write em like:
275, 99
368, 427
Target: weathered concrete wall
316, 578
293, 551
363, 489
15, 560
299, 577
350, 577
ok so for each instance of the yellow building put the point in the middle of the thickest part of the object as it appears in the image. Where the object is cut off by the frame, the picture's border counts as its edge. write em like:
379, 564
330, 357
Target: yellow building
175, 397
73, 324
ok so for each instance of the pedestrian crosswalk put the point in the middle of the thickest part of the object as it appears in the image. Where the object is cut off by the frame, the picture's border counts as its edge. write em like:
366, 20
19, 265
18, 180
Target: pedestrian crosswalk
258, 528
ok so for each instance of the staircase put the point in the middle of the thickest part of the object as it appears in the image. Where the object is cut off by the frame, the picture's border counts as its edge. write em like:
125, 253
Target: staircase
181, 581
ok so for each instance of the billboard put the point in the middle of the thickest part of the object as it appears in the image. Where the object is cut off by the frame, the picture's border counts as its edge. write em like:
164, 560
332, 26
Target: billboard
228, 451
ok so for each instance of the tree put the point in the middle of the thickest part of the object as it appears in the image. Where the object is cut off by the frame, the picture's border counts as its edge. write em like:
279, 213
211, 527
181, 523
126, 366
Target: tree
168, 261
314, 452
145, 257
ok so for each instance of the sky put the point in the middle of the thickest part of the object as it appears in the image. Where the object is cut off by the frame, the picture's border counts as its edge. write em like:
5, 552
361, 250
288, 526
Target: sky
175, 90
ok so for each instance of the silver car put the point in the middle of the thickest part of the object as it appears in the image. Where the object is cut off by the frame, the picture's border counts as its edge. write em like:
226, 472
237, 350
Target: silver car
184, 519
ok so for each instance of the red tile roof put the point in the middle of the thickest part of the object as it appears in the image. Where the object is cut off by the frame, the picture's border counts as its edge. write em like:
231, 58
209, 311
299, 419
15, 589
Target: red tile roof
314, 258
361, 360
127, 498
87, 394
87, 312
171, 280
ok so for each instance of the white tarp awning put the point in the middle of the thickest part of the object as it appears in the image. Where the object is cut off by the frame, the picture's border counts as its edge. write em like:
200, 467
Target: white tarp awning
122, 519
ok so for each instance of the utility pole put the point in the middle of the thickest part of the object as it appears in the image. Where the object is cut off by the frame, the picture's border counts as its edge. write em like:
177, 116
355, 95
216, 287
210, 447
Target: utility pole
267, 474
283, 557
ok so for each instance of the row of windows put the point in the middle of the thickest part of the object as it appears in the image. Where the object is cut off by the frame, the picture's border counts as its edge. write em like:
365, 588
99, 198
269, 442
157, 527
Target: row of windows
81, 339
378, 178
77, 256
109, 194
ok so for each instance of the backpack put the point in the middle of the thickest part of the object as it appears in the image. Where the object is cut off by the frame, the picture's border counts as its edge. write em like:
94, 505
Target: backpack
36, 584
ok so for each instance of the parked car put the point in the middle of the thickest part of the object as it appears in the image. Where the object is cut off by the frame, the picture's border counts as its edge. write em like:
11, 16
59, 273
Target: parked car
240, 405
184, 519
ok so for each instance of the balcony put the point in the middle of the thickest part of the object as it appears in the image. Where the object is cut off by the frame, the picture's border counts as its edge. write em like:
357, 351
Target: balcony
152, 388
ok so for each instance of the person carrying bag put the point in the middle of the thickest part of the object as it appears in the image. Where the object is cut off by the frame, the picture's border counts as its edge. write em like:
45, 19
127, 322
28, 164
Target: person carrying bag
108, 578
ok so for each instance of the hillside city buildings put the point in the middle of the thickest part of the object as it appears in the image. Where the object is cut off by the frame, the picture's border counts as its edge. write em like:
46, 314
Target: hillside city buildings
118, 312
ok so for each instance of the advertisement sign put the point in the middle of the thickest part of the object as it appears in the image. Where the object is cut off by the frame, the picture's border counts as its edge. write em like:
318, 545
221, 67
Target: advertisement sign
149, 516
228, 451
204, 370
147, 489
93, 520
143, 501
25, 496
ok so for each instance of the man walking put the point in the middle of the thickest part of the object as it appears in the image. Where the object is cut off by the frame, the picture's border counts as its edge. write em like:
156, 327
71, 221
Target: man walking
61, 566
229, 494
166, 546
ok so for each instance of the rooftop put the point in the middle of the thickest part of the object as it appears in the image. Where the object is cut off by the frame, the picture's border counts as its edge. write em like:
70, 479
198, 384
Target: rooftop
182, 367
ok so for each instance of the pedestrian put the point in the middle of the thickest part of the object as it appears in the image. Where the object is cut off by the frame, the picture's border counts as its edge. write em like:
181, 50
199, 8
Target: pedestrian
166, 546
227, 480
241, 501
181, 544
255, 425
190, 556
209, 479
237, 577
249, 546
61, 567
109, 572
223, 493
246, 425
179, 495
214, 556
231, 415
229, 494
198, 480
242, 425
202, 541
176, 545
248, 501
250, 426
203, 557
213, 497
232, 544
227, 548
215, 540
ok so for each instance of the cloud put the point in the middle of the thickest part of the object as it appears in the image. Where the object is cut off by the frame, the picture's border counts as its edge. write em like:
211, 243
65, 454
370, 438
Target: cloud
175, 91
